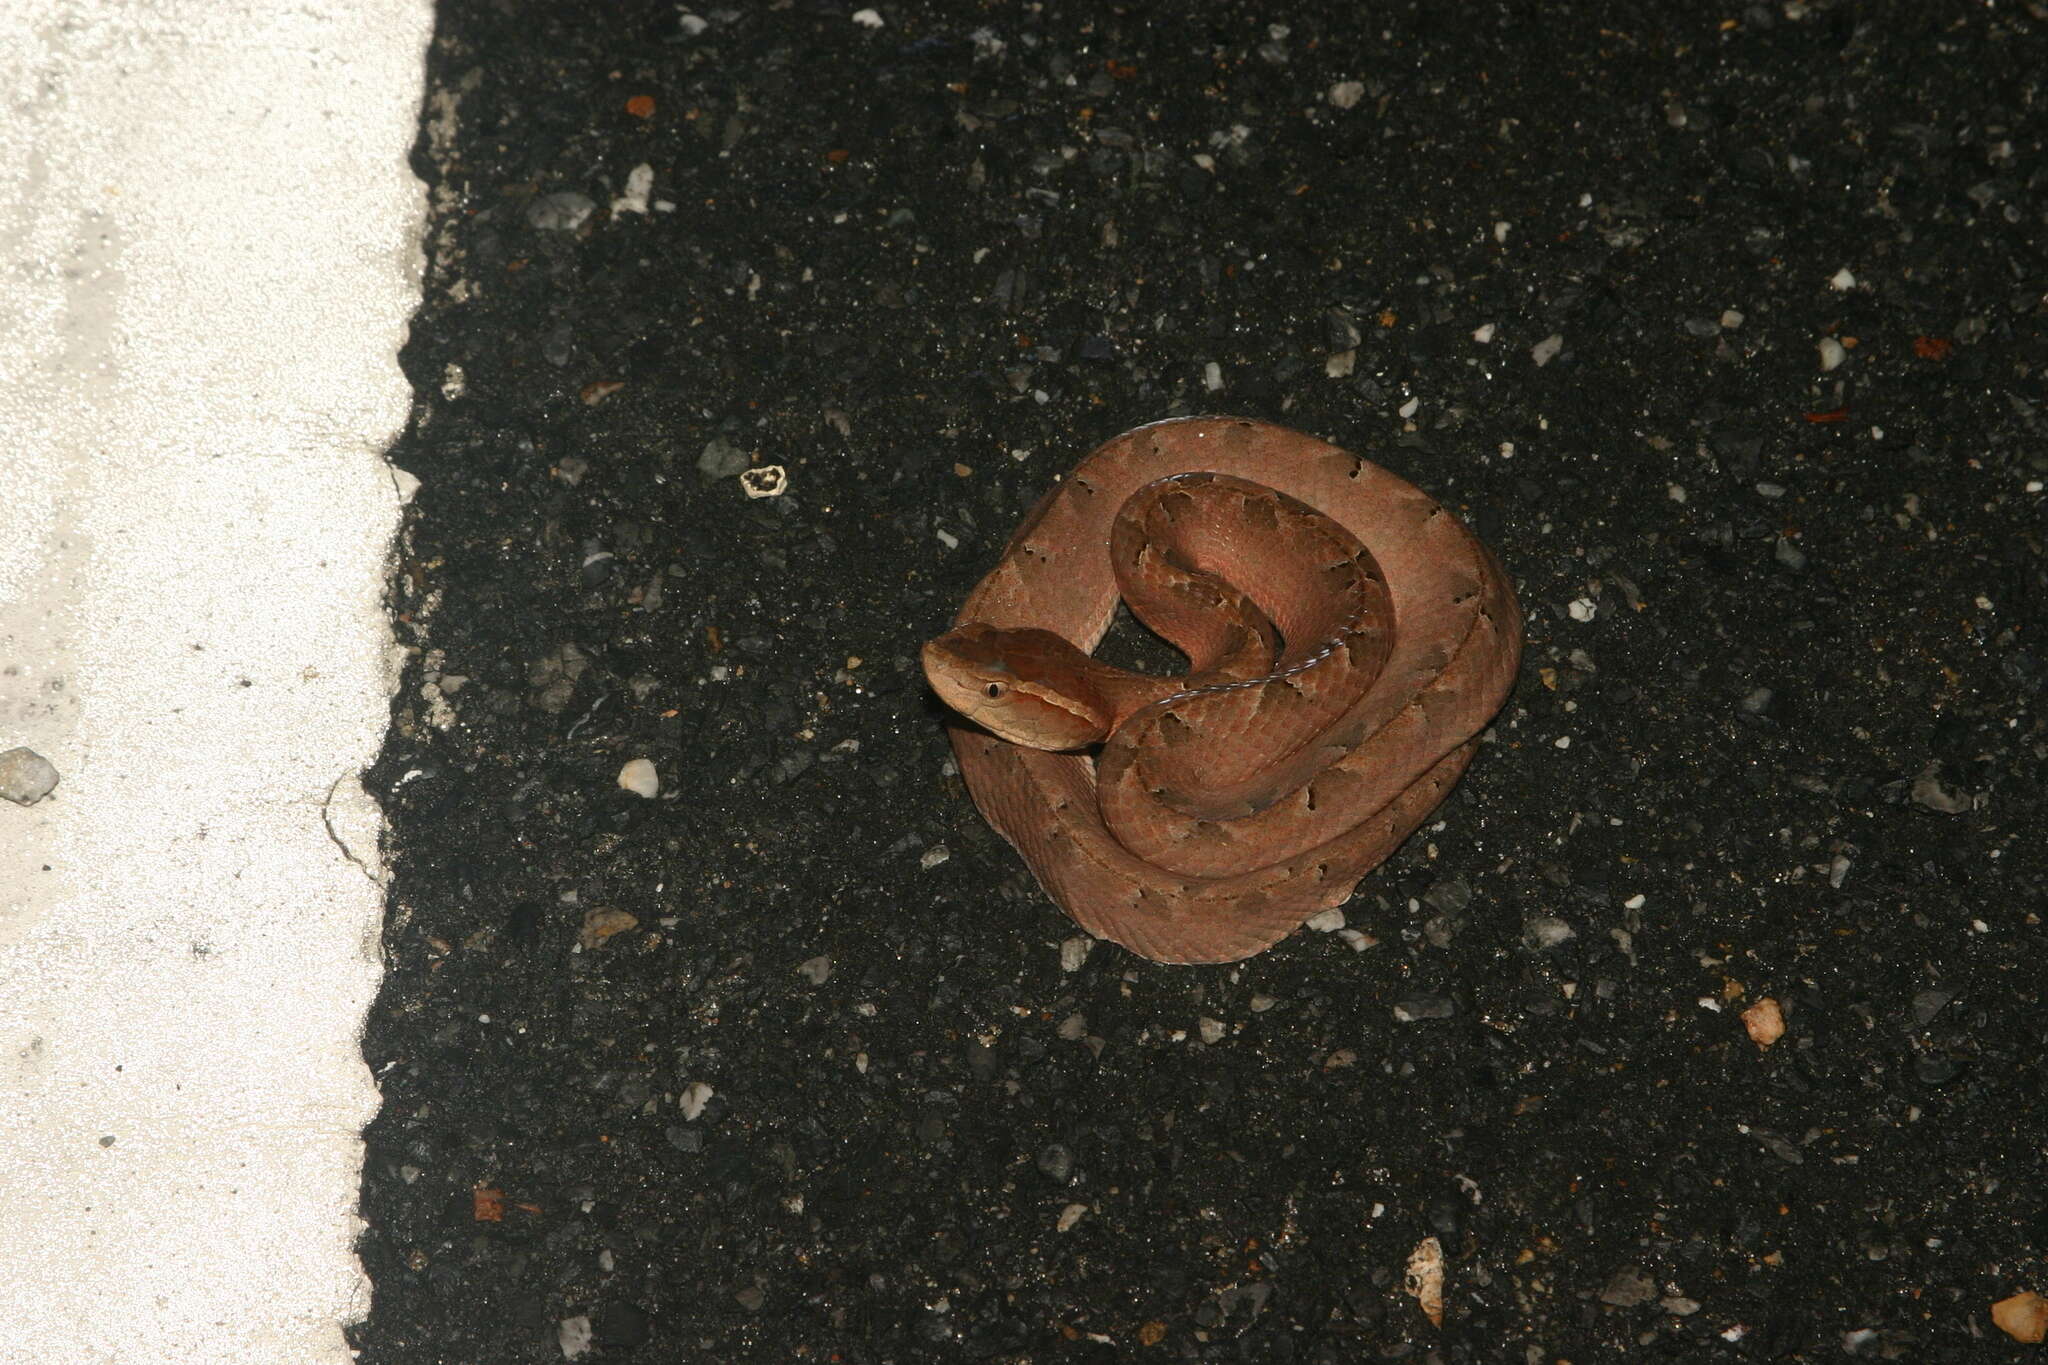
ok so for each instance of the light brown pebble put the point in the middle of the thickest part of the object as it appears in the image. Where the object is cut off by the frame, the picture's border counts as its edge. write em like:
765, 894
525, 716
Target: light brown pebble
601, 923
1424, 1281
1765, 1022
2023, 1317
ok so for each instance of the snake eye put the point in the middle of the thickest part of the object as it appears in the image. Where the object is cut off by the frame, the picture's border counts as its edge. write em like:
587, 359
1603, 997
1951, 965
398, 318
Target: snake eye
994, 690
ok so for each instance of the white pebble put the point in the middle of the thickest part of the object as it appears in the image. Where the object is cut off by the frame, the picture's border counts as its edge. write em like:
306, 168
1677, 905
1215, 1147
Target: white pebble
867, 18
1545, 351
694, 1097
1346, 94
1842, 280
1327, 921
1070, 1215
1074, 952
1582, 609
1832, 353
1483, 334
1731, 319
765, 481
574, 1335
1212, 376
639, 181
640, 778
1212, 1030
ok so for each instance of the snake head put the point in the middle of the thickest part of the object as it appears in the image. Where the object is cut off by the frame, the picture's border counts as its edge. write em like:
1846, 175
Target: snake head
1027, 686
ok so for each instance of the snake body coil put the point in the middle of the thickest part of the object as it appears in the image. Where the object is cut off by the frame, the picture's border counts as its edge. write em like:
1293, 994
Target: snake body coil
1348, 640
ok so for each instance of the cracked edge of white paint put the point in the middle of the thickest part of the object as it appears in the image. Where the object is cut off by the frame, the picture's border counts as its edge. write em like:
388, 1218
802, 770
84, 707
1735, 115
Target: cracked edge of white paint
198, 336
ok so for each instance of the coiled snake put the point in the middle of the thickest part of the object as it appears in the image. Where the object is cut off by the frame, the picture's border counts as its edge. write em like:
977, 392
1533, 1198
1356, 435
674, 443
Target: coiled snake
1348, 639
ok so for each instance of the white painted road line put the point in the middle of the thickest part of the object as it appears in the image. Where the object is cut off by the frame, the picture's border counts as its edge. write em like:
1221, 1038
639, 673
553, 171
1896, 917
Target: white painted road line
210, 245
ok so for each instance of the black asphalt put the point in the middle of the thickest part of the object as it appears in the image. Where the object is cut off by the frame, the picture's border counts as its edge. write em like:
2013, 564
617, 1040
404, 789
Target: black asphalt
1779, 733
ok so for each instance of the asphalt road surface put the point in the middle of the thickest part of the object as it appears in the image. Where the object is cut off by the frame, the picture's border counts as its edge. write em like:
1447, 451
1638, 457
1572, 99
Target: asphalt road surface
1725, 328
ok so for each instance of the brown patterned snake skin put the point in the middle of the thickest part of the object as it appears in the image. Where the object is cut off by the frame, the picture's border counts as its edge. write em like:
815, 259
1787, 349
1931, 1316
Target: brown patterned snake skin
1225, 807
